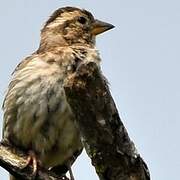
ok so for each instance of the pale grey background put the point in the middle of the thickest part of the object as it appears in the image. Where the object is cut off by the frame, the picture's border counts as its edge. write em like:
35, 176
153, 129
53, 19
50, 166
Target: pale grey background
140, 59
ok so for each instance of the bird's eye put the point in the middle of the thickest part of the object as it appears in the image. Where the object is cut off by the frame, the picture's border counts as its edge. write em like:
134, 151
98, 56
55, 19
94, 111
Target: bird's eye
82, 20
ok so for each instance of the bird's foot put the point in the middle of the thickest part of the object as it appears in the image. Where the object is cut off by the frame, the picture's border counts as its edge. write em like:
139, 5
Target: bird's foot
32, 159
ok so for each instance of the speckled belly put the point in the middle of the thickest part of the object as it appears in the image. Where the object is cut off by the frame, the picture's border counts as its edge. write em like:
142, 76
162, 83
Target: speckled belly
39, 118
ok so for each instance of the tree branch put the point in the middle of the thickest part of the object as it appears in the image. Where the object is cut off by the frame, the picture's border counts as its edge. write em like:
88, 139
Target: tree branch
14, 161
102, 132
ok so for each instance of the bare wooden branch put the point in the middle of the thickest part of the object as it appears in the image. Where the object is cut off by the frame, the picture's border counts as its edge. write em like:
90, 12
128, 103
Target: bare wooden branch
102, 132
14, 161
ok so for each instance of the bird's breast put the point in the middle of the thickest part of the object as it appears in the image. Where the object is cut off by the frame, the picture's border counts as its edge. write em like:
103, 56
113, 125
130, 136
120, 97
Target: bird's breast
37, 115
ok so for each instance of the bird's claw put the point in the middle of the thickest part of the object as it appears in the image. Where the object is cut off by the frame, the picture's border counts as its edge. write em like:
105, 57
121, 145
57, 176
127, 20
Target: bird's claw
32, 160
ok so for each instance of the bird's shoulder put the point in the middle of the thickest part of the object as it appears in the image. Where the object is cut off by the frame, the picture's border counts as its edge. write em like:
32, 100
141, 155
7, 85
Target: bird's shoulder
47, 57
61, 56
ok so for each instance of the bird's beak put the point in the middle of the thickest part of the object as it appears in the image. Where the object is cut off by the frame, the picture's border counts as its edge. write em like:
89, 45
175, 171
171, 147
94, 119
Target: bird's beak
99, 27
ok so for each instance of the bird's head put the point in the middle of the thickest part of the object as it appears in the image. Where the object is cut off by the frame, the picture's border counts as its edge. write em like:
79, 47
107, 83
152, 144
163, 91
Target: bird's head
72, 26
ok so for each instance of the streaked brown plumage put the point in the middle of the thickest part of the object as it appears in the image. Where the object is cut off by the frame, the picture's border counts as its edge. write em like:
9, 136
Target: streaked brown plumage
37, 116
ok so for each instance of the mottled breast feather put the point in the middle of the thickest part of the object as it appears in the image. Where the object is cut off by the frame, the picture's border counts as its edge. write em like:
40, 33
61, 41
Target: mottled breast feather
36, 113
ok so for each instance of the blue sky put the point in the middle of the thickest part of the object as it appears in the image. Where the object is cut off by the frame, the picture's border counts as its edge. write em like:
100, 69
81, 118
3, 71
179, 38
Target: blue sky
140, 58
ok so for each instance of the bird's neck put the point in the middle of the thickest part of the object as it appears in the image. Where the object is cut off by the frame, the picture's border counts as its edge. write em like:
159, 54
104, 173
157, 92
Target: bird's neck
87, 53
51, 41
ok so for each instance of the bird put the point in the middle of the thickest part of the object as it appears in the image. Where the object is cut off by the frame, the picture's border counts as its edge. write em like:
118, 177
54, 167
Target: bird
36, 115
